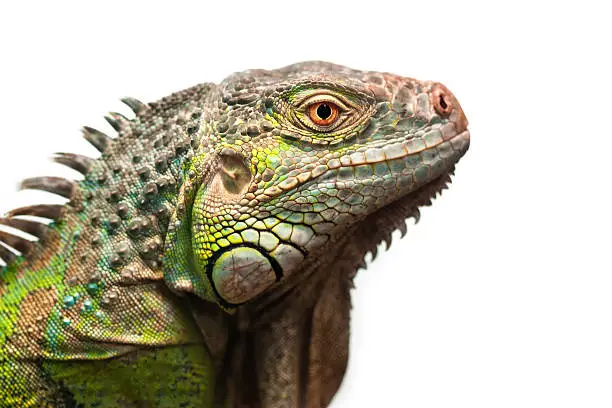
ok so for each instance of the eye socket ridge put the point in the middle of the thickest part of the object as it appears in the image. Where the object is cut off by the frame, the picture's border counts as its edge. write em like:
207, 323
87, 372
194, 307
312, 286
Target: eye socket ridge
325, 97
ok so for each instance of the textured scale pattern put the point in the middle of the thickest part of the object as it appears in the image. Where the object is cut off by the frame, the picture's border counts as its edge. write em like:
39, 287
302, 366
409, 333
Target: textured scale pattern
206, 258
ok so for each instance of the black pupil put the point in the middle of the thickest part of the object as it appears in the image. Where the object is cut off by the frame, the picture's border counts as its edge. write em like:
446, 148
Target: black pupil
324, 111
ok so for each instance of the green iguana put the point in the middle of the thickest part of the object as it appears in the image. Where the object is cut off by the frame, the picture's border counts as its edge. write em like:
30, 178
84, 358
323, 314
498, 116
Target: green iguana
206, 258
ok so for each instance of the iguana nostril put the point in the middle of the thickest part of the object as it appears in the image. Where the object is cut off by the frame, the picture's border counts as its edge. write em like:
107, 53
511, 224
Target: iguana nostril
234, 173
442, 101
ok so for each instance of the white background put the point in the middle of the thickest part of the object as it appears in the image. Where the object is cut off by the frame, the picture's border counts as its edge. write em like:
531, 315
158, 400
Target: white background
502, 295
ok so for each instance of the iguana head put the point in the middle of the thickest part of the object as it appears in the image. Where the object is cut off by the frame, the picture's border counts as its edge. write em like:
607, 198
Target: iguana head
290, 161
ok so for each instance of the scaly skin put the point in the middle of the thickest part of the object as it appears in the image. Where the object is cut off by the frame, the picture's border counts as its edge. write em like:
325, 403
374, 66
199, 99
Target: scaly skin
206, 258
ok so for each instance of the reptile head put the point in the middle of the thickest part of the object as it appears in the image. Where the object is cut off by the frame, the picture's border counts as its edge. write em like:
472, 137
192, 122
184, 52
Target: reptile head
290, 161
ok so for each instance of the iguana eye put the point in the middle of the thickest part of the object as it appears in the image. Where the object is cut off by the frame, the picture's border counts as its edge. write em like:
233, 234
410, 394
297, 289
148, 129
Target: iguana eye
323, 113
320, 113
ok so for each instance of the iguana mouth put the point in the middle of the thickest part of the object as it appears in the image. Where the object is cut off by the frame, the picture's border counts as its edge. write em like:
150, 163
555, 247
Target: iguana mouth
364, 238
393, 156
412, 147
379, 225
391, 211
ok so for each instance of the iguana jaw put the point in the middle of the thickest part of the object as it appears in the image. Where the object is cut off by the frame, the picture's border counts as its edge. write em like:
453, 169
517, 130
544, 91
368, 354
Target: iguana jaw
267, 268
435, 161
367, 232
351, 249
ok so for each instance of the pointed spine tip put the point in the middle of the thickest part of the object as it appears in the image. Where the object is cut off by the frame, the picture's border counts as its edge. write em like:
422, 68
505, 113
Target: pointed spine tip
97, 139
50, 211
33, 228
134, 104
113, 121
54, 185
82, 164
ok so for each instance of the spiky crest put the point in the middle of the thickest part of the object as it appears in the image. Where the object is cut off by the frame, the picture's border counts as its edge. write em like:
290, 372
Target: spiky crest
12, 244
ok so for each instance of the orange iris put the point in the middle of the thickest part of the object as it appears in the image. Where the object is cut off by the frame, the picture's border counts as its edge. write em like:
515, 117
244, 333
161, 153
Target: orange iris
323, 113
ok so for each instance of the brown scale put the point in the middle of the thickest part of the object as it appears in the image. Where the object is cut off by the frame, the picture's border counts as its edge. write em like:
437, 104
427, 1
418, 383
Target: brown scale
30, 325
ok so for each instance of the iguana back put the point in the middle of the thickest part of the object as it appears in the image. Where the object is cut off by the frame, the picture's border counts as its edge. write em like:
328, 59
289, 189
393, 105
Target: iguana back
207, 256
